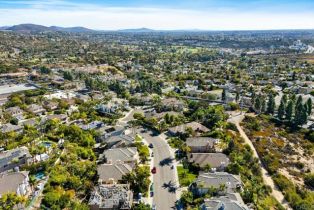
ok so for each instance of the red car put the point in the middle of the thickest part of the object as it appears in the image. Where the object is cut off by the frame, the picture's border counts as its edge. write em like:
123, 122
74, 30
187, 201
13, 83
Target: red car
154, 170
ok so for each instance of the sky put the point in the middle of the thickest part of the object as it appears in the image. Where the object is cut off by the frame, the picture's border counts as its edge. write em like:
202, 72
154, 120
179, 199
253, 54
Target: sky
161, 14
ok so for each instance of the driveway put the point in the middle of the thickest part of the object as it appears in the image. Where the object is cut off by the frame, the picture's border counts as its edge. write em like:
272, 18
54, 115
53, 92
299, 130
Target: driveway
165, 180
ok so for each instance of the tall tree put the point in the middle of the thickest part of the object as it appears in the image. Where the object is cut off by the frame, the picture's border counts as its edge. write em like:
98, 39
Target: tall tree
281, 110
293, 97
299, 101
284, 98
263, 104
294, 76
300, 114
289, 111
253, 99
237, 96
309, 106
271, 104
257, 104
224, 95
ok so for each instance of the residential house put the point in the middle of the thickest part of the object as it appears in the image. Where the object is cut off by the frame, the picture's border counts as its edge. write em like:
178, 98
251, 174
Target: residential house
29, 122
61, 117
119, 141
232, 201
6, 128
92, 125
36, 109
111, 197
141, 99
109, 108
83, 98
160, 116
14, 158
50, 105
127, 155
217, 161
112, 173
97, 96
205, 181
15, 182
172, 104
181, 129
201, 144
15, 112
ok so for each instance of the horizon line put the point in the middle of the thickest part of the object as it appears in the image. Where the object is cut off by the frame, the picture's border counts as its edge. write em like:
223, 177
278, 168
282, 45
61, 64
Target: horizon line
161, 29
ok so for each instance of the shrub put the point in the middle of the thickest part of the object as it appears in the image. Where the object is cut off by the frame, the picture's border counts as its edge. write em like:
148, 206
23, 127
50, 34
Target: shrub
232, 126
309, 180
252, 123
283, 183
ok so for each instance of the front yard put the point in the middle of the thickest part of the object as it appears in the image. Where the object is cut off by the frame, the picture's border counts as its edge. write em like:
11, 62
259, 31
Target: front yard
185, 177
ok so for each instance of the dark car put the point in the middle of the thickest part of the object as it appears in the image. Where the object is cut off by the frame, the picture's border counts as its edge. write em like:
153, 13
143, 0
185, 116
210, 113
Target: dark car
151, 145
154, 170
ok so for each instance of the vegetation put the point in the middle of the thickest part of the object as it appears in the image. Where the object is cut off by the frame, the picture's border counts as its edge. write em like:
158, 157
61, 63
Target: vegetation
185, 177
138, 179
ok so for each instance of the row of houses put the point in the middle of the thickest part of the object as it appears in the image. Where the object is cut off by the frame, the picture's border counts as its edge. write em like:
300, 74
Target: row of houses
205, 153
117, 158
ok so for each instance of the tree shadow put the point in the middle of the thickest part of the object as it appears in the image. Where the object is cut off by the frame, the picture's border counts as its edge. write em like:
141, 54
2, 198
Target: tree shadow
166, 161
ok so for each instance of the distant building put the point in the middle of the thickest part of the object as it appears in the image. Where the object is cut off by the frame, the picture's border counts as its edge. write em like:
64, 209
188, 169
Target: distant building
172, 104
50, 105
36, 109
111, 197
15, 112
6, 128
61, 117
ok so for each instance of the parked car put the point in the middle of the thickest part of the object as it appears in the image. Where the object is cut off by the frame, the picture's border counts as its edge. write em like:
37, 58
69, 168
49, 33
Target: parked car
154, 170
151, 145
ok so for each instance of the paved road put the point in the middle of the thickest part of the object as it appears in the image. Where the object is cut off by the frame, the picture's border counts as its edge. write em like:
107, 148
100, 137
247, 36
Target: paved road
165, 179
266, 177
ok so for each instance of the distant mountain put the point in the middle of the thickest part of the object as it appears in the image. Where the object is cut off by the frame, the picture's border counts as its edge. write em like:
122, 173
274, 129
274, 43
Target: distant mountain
137, 30
71, 29
4, 27
40, 28
28, 28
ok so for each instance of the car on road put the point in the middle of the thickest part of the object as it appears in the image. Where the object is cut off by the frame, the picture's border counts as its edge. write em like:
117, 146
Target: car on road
154, 207
151, 145
151, 190
154, 170
152, 155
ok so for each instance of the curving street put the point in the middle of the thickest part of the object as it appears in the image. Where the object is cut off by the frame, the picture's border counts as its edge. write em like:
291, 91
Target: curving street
165, 180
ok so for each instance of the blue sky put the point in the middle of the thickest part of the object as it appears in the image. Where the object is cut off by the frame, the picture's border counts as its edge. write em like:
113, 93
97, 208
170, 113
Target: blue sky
162, 14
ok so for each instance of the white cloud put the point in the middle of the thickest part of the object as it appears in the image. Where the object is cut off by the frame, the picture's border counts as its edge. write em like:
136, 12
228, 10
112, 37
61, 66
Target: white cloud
119, 17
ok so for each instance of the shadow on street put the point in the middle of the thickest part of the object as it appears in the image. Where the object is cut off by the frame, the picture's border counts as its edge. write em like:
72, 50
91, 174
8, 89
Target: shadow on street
167, 161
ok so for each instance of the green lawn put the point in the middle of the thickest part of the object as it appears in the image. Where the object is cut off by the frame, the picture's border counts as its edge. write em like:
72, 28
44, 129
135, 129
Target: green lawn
185, 177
